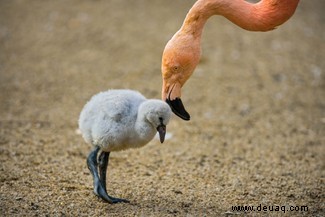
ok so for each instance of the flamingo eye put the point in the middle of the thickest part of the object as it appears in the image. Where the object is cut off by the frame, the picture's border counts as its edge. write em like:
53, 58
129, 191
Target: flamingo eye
176, 68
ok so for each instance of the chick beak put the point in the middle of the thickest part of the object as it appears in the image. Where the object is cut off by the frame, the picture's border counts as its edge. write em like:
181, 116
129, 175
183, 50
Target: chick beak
162, 132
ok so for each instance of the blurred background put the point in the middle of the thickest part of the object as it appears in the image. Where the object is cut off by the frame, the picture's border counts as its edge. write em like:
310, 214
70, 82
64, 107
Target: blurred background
256, 100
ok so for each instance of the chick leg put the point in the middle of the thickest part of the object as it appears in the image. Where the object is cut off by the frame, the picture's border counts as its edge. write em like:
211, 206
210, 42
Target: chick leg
103, 163
103, 160
99, 189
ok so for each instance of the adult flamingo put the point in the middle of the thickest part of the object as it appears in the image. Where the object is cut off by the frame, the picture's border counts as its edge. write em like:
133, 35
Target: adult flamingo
182, 52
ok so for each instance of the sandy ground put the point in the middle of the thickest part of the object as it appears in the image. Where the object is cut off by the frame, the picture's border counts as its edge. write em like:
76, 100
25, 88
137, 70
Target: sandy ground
257, 103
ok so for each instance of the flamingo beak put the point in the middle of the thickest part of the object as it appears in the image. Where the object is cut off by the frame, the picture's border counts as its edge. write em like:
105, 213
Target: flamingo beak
162, 132
177, 106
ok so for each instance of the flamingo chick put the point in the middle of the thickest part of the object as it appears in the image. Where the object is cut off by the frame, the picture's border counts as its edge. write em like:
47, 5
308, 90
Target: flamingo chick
116, 120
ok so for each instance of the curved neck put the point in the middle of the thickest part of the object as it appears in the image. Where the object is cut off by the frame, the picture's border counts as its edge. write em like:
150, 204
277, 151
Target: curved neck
196, 19
262, 16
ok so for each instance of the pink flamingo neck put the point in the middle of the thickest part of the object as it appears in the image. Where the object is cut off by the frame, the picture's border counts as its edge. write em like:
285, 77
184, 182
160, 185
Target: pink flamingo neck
262, 16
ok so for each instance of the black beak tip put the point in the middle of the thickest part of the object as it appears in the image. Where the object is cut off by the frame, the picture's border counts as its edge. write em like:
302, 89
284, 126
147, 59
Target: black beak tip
162, 140
178, 108
162, 132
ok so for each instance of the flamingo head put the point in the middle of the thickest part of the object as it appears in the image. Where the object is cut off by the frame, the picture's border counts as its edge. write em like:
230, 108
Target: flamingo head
178, 65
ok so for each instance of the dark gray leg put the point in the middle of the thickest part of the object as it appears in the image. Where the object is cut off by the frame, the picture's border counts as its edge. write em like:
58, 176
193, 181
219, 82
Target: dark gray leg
100, 181
103, 163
